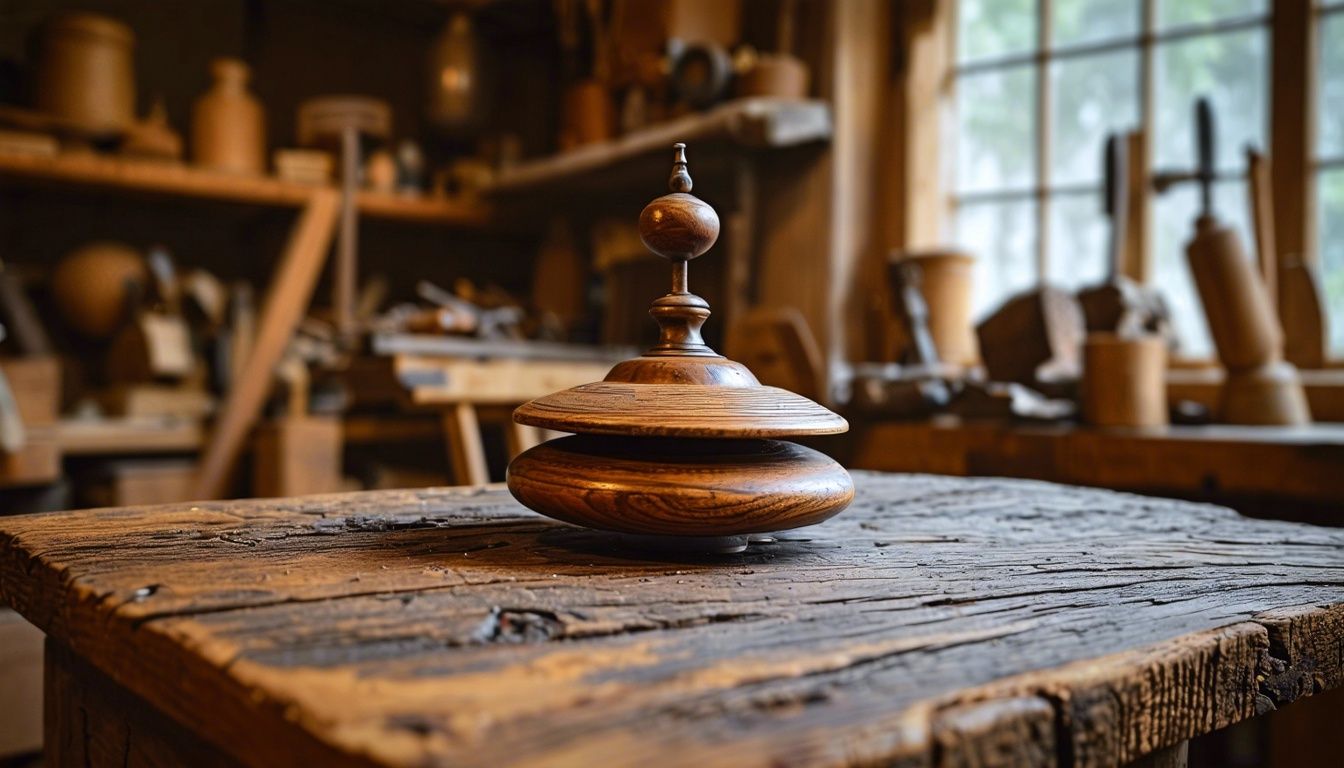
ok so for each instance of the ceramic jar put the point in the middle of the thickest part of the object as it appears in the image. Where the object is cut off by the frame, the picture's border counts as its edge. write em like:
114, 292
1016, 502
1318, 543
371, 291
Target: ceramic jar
228, 126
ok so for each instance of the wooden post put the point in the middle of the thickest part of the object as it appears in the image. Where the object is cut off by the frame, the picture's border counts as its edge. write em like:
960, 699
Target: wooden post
1138, 255
1292, 128
21, 669
466, 454
1258, 170
287, 300
346, 273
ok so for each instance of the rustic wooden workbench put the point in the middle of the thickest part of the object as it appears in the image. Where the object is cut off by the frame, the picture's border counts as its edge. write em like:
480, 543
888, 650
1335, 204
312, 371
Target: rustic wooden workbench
1278, 472
941, 621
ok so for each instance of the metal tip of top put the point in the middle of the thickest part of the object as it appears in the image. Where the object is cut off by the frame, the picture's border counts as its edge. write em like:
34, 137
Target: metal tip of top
680, 180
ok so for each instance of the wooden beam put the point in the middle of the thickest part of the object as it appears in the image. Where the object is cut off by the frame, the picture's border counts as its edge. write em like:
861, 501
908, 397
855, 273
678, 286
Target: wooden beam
285, 304
915, 200
860, 56
1292, 138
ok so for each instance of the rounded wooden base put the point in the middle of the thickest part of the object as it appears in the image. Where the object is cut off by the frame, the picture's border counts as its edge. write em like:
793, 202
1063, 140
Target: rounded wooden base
1268, 395
680, 487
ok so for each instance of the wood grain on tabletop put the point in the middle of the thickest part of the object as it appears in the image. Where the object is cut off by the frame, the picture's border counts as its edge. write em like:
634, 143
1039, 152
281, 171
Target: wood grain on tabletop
938, 620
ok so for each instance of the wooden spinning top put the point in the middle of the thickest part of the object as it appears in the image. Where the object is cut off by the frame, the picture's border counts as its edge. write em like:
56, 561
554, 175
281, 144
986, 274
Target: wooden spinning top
676, 443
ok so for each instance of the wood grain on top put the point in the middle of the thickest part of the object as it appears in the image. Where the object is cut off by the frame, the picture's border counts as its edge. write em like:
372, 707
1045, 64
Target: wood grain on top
938, 621
679, 410
670, 487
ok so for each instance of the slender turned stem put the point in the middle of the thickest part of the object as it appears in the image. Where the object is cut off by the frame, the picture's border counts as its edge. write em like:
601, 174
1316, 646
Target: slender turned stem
680, 276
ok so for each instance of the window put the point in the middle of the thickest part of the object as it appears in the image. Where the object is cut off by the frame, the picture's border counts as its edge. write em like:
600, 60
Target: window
1330, 165
1038, 86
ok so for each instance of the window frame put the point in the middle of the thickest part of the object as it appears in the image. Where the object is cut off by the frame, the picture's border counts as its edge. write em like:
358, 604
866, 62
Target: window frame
1146, 41
1317, 163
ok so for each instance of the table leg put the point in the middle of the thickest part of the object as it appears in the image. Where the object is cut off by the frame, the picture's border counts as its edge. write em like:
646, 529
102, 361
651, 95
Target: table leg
466, 454
1175, 756
90, 720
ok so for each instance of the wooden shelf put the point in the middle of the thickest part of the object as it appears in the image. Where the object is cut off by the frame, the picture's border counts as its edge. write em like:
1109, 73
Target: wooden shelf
97, 172
757, 123
84, 437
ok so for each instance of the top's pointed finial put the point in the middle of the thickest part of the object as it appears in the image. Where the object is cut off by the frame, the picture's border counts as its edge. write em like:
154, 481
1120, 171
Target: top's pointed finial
680, 181
679, 226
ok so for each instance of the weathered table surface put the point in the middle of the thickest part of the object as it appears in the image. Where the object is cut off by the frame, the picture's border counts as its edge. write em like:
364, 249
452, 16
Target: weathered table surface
939, 621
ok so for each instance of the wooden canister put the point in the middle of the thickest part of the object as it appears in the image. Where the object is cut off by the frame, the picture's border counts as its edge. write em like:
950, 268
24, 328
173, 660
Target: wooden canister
1124, 380
589, 115
228, 126
1241, 318
775, 75
947, 281
85, 72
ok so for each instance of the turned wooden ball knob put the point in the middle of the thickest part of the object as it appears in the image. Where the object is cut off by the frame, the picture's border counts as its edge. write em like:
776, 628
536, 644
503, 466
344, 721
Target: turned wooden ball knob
679, 226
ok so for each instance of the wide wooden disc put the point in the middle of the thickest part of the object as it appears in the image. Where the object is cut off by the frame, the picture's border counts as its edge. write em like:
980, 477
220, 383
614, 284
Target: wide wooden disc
680, 487
679, 410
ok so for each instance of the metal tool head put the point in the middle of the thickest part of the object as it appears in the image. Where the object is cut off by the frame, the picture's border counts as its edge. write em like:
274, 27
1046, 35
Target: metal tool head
1206, 153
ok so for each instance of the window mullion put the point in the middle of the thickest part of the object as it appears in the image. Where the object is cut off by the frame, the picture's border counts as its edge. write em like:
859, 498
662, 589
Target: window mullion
1292, 123
1043, 38
1141, 267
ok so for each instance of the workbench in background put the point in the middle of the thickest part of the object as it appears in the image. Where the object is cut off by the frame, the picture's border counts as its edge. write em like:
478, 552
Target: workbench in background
1294, 473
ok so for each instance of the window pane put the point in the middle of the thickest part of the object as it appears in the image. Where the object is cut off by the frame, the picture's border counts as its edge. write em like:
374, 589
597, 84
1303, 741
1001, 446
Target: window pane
1330, 128
1002, 237
1229, 69
1183, 13
1174, 216
1330, 195
995, 123
1090, 97
1089, 21
1079, 241
990, 28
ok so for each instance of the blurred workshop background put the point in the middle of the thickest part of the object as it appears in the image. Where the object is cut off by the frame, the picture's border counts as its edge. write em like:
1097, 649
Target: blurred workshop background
277, 247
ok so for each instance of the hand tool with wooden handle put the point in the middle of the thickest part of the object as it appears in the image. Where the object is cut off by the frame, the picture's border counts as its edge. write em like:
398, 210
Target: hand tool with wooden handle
1105, 306
1260, 387
1241, 319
